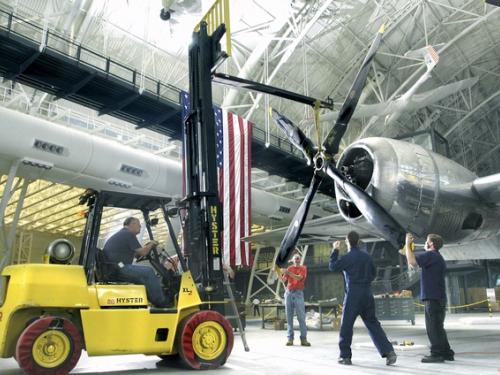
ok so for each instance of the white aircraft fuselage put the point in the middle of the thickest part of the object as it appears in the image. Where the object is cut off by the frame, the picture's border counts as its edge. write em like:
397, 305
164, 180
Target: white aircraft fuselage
64, 155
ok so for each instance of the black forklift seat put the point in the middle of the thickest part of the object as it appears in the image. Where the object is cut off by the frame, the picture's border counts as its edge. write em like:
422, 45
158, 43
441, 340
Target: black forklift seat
104, 270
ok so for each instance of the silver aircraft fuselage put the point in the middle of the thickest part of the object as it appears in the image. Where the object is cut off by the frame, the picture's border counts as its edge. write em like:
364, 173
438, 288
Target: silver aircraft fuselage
424, 191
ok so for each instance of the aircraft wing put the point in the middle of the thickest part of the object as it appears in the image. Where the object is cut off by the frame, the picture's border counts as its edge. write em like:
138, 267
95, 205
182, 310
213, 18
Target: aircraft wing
424, 99
488, 189
414, 102
325, 229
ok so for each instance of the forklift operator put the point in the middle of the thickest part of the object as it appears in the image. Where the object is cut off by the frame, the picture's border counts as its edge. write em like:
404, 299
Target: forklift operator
120, 250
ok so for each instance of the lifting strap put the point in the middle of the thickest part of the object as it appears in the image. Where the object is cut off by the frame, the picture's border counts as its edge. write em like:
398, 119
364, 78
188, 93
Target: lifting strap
316, 109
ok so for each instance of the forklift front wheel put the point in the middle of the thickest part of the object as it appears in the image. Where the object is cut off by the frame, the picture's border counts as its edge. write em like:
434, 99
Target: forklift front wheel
49, 345
205, 340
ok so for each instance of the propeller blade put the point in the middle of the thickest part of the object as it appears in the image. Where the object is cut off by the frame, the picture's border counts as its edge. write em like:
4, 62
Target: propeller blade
332, 141
295, 135
374, 213
293, 232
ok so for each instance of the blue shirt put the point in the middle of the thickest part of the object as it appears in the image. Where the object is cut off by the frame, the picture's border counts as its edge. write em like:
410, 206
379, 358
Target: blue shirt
432, 284
121, 247
357, 266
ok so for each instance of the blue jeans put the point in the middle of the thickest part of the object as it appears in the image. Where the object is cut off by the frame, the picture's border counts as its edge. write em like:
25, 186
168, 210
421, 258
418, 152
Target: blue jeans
143, 275
294, 299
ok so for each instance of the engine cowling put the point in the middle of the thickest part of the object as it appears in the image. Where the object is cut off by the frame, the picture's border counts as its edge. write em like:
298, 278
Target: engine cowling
424, 191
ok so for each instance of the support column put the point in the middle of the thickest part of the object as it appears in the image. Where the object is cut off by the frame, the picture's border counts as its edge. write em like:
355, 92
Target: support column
489, 281
13, 226
452, 291
25, 244
5, 250
4, 247
264, 279
252, 276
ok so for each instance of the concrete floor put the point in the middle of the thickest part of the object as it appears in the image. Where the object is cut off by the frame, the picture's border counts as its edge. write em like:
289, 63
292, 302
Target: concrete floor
474, 337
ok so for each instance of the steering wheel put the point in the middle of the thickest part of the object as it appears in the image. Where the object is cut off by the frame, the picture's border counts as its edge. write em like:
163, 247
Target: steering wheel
152, 255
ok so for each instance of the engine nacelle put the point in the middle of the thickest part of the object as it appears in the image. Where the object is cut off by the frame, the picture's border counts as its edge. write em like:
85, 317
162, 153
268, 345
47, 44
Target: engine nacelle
422, 190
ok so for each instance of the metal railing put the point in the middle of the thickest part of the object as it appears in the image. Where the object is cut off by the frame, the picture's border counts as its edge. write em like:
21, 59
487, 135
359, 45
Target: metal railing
276, 141
46, 38
23, 27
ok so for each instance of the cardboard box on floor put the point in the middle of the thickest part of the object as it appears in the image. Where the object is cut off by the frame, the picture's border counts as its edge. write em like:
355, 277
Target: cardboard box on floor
479, 294
336, 323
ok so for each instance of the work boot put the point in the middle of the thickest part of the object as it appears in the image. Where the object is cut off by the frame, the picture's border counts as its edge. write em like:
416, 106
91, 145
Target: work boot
304, 342
390, 358
450, 356
344, 361
432, 359
289, 342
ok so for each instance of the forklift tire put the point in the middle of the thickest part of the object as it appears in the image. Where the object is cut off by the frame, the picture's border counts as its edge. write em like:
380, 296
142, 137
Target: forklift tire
49, 346
169, 358
26, 325
204, 340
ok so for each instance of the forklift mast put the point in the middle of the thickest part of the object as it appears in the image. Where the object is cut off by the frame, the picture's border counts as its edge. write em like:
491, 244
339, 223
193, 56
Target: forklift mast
203, 223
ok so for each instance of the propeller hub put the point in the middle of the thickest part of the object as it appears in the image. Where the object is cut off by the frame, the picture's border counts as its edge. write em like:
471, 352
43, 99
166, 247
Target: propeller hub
319, 162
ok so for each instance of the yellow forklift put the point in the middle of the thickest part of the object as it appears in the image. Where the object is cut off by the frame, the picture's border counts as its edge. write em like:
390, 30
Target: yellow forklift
50, 312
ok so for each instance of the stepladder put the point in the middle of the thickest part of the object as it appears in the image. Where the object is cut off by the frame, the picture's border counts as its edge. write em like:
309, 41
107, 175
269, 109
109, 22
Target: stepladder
235, 313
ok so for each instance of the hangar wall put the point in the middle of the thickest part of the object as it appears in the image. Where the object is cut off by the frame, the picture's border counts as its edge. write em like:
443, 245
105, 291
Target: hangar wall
39, 243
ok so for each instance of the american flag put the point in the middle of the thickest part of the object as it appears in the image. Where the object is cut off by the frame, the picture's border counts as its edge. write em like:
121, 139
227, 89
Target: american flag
433, 53
234, 155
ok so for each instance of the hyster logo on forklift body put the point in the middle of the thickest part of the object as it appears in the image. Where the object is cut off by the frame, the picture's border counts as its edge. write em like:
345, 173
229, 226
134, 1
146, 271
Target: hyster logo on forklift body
125, 300
215, 231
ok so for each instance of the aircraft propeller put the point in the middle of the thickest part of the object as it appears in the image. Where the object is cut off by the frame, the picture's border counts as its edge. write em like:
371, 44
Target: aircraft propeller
322, 159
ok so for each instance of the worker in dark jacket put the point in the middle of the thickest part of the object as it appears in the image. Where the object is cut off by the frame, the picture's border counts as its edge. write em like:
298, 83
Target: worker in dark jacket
359, 273
433, 294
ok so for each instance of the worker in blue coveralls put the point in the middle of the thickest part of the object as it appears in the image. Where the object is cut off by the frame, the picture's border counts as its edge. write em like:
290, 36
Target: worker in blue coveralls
359, 272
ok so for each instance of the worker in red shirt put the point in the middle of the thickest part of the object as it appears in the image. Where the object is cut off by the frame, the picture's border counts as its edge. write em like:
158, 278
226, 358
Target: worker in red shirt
294, 277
